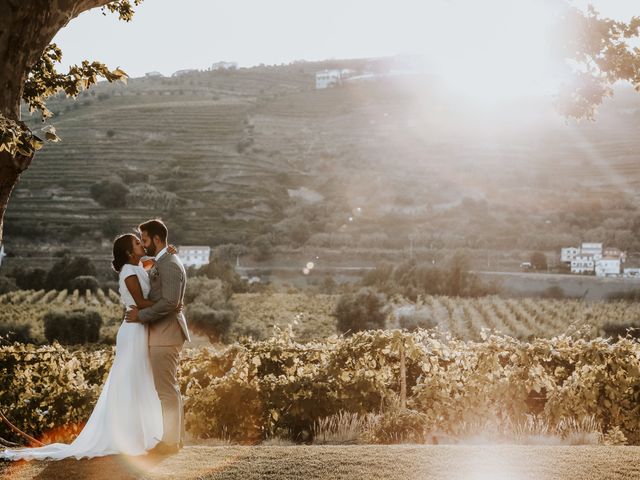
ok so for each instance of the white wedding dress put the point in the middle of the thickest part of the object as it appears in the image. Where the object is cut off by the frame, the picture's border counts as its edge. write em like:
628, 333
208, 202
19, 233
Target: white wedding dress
127, 418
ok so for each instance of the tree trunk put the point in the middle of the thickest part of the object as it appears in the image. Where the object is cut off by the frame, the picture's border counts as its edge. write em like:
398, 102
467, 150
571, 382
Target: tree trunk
26, 28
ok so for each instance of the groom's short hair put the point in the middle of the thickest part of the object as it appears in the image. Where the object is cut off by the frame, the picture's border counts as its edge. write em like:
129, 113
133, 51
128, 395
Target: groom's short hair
155, 227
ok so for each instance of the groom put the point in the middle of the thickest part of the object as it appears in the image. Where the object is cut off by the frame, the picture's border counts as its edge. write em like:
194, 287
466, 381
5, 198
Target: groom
167, 330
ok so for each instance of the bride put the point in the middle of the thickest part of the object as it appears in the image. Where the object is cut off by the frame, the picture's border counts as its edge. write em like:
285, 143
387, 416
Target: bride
127, 418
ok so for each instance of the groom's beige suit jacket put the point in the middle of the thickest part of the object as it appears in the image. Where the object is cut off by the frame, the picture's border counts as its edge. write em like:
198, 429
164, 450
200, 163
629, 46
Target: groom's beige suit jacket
168, 283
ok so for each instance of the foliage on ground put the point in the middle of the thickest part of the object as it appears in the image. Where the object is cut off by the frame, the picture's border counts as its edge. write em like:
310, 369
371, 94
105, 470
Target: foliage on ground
280, 388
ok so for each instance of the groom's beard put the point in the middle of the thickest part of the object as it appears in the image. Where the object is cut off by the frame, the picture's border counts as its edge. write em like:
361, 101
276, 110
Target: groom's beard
151, 250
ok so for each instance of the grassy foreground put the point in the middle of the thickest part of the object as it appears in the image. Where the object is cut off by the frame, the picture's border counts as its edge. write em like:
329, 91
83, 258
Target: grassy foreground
522, 462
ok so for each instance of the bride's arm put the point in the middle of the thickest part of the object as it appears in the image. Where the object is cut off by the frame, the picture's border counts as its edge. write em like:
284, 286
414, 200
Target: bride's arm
133, 285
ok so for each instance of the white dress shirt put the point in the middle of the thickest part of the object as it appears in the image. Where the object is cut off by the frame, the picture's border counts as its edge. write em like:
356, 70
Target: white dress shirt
161, 253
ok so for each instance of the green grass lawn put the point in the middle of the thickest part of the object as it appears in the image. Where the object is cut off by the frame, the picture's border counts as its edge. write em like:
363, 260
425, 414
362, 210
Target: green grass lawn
522, 462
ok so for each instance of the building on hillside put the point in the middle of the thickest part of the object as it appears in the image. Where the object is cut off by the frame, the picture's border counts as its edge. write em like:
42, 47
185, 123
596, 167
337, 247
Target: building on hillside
194, 256
615, 252
186, 71
328, 78
608, 266
591, 257
594, 249
583, 263
153, 75
2, 254
224, 66
568, 254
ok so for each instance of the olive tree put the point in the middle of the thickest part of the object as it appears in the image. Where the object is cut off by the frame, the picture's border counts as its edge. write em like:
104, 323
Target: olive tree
28, 74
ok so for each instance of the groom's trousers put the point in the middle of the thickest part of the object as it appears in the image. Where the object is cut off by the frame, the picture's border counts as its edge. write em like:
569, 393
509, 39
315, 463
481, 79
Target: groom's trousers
164, 363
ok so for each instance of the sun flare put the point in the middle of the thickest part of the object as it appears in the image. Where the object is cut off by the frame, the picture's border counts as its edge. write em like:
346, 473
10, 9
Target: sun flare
496, 50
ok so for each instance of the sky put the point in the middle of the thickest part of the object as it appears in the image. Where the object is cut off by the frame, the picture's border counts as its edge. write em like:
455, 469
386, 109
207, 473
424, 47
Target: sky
168, 35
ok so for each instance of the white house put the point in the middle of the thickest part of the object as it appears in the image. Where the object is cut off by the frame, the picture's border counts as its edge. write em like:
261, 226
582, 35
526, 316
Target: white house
328, 78
186, 71
591, 257
2, 254
224, 66
568, 254
615, 252
594, 249
194, 256
608, 267
583, 263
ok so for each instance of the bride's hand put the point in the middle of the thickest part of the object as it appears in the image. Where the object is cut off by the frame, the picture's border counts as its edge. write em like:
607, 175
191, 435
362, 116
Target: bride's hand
172, 249
180, 307
131, 316
147, 264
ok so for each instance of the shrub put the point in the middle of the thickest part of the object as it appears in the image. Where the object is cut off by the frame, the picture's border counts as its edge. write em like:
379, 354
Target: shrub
399, 425
617, 331
213, 323
110, 193
364, 310
29, 279
554, 292
629, 295
7, 285
343, 428
66, 269
111, 226
20, 333
538, 261
238, 411
130, 176
279, 387
411, 278
49, 391
263, 248
417, 320
220, 268
85, 282
209, 309
72, 328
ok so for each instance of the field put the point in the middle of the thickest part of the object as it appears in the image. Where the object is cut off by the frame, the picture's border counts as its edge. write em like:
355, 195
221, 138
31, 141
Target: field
29, 307
310, 315
401, 462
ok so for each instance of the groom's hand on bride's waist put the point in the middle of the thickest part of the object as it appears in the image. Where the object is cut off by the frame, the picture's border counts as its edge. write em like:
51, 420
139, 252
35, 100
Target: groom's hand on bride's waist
131, 315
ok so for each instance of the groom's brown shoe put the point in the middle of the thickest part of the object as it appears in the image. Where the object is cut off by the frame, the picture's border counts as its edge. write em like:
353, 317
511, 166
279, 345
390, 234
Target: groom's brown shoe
163, 448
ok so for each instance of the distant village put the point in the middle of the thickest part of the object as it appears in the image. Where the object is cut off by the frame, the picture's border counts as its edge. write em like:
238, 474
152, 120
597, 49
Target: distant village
593, 258
323, 78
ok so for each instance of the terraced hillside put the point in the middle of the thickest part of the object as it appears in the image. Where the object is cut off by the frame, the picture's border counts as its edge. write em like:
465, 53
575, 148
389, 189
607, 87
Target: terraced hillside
235, 156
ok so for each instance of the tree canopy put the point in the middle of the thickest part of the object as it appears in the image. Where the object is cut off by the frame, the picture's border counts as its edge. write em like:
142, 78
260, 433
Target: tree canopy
44, 80
599, 50
28, 73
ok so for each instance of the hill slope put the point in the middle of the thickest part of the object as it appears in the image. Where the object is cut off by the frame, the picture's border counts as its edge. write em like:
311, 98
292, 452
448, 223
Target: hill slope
230, 156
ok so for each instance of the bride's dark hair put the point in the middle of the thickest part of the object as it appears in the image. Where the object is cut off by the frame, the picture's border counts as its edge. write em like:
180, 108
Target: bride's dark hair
122, 248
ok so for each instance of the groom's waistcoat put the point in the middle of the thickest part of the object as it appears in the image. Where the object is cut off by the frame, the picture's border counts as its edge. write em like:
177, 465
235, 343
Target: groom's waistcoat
168, 283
